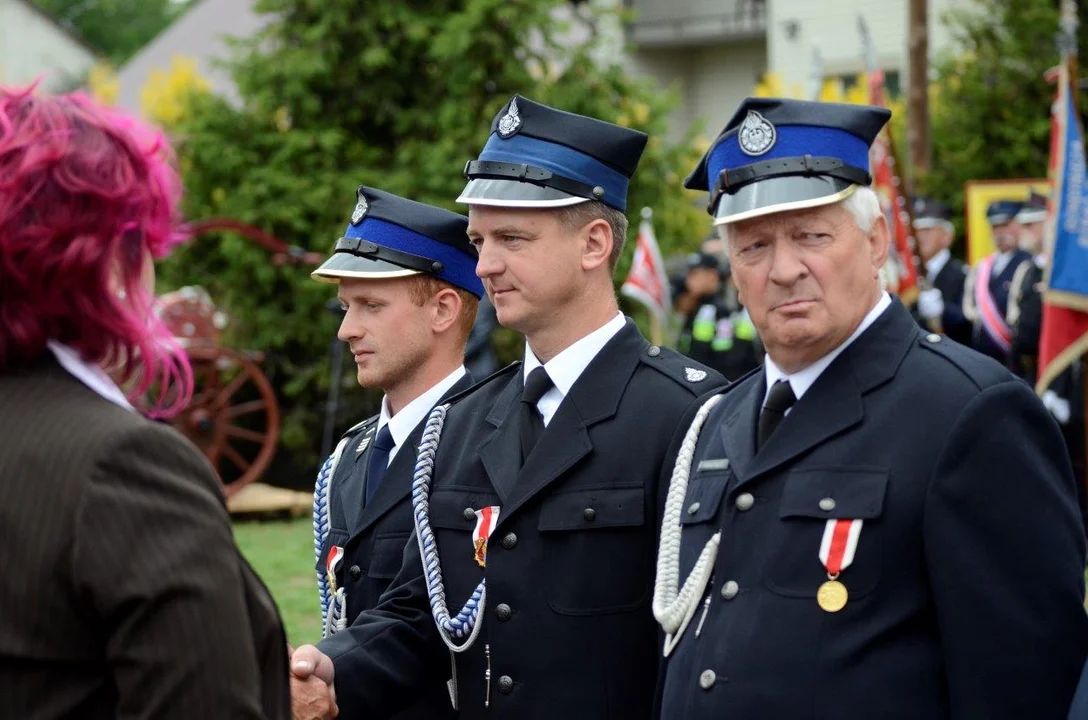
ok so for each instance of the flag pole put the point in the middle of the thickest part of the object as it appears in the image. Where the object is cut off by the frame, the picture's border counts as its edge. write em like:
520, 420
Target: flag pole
657, 331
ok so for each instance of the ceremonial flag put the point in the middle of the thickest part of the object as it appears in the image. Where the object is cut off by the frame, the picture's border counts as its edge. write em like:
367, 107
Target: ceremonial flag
886, 183
1064, 338
647, 282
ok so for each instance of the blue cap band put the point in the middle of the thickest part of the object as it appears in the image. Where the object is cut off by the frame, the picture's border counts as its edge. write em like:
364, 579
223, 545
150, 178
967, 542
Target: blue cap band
457, 268
561, 160
792, 141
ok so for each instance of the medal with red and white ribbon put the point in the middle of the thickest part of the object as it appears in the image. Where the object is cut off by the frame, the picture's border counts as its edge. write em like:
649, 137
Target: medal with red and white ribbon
486, 520
332, 562
837, 550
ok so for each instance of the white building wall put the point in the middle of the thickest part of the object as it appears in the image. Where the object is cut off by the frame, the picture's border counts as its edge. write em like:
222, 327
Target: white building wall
33, 46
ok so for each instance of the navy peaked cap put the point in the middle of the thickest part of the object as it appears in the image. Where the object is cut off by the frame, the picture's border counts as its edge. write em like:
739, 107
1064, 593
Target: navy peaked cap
1000, 212
778, 154
389, 236
539, 157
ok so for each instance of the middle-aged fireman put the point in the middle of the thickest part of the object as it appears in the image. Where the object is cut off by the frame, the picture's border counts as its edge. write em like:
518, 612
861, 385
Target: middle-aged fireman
879, 523
564, 481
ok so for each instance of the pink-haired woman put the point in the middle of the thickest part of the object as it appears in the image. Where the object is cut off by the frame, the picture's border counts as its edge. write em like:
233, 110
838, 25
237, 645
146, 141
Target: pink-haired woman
122, 594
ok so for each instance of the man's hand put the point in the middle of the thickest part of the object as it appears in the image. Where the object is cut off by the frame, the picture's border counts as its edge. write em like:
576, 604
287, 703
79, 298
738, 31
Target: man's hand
313, 696
312, 699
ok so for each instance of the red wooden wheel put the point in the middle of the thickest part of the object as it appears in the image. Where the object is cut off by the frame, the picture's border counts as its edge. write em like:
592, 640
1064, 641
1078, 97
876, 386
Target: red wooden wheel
233, 417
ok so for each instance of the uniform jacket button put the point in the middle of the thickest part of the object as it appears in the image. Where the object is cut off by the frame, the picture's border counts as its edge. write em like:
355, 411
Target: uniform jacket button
653, 351
745, 501
693, 508
589, 514
469, 514
355, 572
730, 590
706, 679
503, 612
506, 684
933, 337
509, 541
827, 504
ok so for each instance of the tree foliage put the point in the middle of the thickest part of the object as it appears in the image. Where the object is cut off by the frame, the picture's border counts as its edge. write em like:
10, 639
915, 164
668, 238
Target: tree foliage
990, 109
396, 95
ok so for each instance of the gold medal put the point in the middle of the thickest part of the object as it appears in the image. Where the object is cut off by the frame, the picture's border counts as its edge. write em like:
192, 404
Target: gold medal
832, 596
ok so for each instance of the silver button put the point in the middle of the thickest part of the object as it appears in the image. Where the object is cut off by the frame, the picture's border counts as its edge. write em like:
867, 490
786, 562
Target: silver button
730, 590
693, 508
933, 337
654, 351
706, 679
827, 504
745, 501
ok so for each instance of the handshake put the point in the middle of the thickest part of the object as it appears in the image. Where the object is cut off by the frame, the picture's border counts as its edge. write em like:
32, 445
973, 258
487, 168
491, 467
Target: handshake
313, 696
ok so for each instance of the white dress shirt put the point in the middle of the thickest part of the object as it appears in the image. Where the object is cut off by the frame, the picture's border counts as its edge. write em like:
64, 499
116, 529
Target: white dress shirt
89, 374
404, 422
802, 380
936, 264
566, 367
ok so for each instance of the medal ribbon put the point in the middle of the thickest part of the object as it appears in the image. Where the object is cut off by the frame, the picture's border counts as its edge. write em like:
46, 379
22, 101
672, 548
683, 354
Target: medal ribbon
332, 561
486, 520
839, 544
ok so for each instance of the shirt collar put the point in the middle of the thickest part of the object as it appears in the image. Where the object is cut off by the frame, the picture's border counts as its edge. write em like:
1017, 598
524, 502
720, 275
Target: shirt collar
803, 379
404, 422
89, 374
565, 368
937, 263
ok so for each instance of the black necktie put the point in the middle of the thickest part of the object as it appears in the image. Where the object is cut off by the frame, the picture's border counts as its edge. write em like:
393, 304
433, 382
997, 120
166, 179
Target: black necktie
378, 461
532, 424
780, 399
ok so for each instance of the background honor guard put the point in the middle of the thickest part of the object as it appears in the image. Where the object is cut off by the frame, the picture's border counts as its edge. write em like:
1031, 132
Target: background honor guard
943, 300
880, 523
538, 490
986, 294
407, 281
1025, 307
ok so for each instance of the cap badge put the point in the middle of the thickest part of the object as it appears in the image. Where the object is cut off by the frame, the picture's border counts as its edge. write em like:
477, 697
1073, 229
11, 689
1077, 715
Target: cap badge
510, 123
694, 375
360, 210
756, 135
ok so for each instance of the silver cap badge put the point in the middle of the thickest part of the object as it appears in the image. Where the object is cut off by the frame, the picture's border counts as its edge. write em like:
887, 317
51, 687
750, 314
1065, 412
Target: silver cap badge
360, 210
756, 135
511, 121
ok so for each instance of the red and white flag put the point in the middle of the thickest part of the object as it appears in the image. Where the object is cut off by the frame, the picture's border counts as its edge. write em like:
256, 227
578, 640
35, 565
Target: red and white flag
647, 282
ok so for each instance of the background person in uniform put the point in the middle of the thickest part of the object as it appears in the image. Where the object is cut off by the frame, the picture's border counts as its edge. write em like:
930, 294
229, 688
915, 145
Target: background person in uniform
556, 460
407, 280
123, 593
716, 331
943, 300
986, 294
881, 523
1025, 307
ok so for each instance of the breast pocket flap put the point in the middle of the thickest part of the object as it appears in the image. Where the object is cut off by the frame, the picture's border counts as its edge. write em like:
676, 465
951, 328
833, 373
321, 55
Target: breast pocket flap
590, 509
704, 495
833, 492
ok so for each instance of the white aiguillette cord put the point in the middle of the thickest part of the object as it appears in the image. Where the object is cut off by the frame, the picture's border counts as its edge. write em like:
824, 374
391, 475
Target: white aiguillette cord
674, 607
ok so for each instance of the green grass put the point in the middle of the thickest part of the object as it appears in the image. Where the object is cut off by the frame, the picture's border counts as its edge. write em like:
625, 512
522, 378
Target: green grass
282, 553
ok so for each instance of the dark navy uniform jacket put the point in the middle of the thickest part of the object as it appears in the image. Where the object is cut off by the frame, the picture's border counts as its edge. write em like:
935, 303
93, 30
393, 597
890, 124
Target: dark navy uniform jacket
950, 280
570, 565
373, 537
966, 591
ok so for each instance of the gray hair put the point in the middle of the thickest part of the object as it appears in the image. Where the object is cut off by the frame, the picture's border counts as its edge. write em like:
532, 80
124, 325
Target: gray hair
862, 204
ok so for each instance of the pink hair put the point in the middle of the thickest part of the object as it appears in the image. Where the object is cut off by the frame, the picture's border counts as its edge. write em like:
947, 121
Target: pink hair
85, 193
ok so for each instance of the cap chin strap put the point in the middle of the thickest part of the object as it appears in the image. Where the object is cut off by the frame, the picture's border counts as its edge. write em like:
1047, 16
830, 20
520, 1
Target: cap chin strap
522, 172
373, 251
729, 181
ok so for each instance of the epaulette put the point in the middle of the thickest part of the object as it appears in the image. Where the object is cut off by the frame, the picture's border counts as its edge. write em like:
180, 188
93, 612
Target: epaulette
364, 425
687, 373
980, 369
503, 373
